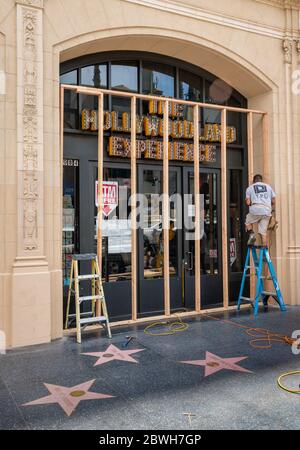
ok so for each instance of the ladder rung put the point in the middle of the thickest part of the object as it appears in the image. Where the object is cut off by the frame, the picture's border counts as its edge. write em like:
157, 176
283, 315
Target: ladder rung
92, 320
91, 297
73, 316
85, 257
88, 277
247, 299
273, 294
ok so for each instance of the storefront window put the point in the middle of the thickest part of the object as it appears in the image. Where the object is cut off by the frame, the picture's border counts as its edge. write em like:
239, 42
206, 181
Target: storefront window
152, 224
69, 78
236, 222
209, 241
190, 86
120, 105
116, 226
95, 76
71, 118
124, 77
70, 215
158, 79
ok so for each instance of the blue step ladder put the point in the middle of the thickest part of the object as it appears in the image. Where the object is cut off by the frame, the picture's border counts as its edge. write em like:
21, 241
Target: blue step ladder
260, 255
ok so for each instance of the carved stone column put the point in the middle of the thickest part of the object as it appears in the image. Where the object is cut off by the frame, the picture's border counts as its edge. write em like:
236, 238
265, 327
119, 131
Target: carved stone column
290, 183
31, 280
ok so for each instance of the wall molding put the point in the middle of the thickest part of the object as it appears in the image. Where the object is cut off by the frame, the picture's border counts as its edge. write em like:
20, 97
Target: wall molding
216, 18
281, 3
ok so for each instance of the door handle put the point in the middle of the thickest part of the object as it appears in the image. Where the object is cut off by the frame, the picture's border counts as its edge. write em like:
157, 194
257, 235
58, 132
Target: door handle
189, 261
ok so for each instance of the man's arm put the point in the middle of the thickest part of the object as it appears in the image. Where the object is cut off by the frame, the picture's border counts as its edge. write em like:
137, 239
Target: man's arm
248, 197
273, 200
273, 203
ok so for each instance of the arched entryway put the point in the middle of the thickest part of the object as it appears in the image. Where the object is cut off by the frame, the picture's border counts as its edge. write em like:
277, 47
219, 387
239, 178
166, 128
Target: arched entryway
148, 73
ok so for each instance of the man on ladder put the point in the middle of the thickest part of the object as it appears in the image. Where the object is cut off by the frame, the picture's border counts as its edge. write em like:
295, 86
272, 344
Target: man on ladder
260, 198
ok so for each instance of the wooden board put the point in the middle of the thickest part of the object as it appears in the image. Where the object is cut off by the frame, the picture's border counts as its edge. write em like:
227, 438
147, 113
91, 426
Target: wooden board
224, 207
133, 212
197, 210
100, 193
166, 210
266, 158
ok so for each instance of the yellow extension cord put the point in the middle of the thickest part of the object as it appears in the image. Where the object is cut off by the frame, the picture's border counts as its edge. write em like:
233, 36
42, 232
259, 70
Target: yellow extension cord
293, 391
180, 326
172, 327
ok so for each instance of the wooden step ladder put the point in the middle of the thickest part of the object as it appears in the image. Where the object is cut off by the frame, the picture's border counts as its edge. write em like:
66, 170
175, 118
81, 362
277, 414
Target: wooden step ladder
91, 317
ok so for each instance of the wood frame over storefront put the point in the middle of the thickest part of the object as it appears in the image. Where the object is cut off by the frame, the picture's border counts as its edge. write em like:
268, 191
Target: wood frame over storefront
100, 93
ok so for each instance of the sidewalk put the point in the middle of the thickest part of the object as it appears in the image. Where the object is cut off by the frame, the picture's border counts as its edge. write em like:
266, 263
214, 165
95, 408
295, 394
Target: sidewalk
232, 385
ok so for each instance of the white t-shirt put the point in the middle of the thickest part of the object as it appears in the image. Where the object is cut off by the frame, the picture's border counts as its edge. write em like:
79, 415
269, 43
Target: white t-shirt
261, 195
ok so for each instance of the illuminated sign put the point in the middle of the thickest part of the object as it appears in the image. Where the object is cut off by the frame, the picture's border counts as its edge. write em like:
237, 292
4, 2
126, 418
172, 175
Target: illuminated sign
151, 126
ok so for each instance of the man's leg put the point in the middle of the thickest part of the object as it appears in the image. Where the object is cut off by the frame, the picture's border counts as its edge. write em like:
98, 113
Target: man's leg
250, 220
263, 229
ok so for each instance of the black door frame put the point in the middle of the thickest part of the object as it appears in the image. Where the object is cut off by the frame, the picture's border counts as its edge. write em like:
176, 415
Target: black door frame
147, 293
209, 283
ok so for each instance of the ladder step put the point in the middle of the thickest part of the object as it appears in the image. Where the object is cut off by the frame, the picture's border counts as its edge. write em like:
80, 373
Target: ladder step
273, 294
85, 257
82, 314
247, 299
88, 277
91, 297
88, 320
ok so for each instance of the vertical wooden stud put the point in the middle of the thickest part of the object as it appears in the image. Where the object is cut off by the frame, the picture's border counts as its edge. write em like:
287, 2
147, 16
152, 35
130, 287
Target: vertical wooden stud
250, 180
166, 207
133, 212
100, 190
250, 146
266, 156
197, 210
224, 206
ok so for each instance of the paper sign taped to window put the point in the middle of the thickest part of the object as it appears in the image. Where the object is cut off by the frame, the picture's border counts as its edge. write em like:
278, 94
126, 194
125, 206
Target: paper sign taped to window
110, 199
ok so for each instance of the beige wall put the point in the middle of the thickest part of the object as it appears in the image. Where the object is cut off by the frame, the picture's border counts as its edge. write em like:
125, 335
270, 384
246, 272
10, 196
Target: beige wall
241, 41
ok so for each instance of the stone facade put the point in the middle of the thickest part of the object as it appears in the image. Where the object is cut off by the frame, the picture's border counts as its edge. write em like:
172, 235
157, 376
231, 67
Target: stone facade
252, 45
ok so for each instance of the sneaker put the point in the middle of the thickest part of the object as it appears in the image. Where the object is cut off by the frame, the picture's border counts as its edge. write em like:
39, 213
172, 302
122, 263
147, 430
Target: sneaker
252, 239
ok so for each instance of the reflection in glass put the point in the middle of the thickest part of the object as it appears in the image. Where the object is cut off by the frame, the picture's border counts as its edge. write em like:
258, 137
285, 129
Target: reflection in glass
70, 215
71, 110
190, 86
235, 221
121, 104
209, 242
116, 229
152, 225
95, 76
158, 79
69, 78
124, 77
88, 102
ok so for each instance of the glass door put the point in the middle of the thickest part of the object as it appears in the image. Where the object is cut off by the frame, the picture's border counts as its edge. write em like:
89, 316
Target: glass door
151, 247
116, 235
210, 232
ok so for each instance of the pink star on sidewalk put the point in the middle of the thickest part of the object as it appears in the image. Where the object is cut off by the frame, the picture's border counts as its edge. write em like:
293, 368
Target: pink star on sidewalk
113, 352
214, 363
68, 398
